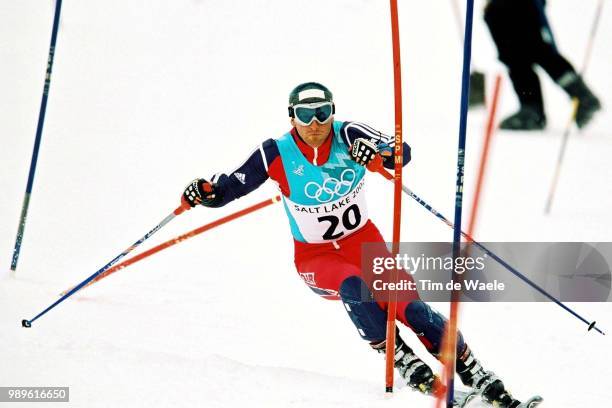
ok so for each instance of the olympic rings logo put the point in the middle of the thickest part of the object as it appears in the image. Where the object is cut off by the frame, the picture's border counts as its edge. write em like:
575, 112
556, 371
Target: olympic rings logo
332, 187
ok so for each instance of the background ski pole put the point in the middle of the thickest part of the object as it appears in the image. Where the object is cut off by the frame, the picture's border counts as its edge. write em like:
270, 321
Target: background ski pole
559, 163
377, 166
181, 238
170, 217
568, 128
39, 129
458, 20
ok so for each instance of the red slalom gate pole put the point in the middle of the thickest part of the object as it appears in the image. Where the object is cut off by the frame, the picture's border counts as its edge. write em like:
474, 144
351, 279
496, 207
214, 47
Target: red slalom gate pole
183, 237
490, 130
397, 195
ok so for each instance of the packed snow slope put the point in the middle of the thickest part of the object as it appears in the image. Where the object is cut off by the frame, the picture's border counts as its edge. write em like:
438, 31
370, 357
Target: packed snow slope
147, 95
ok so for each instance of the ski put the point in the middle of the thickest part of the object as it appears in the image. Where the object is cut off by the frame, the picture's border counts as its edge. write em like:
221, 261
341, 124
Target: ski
462, 398
531, 402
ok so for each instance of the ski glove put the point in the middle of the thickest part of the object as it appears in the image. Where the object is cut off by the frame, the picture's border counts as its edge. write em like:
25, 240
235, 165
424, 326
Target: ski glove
364, 151
199, 191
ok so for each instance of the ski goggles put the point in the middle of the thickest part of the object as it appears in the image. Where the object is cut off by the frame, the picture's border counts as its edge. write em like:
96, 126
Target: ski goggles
306, 113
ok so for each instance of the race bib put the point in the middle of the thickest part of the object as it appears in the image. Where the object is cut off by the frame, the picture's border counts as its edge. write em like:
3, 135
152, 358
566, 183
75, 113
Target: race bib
340, 210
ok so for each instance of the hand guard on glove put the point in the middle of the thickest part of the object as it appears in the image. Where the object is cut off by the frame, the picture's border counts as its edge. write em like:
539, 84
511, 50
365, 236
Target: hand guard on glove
364, 151
199, 191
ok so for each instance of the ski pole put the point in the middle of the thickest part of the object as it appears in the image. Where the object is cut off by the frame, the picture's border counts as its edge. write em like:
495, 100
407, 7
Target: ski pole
562, 149
423, 203
180, 238
39, 129
594, 26
568, 128
458, 20
170, 217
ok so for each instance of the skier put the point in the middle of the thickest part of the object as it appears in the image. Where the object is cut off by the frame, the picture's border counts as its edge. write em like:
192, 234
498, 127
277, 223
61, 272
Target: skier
318, 163
520, 48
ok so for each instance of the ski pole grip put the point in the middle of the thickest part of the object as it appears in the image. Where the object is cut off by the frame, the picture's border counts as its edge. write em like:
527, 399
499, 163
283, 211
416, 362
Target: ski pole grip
376, 165
182, 208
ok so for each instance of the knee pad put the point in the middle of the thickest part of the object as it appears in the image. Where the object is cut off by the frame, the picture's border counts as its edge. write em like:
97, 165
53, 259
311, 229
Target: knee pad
429, 324
363, 310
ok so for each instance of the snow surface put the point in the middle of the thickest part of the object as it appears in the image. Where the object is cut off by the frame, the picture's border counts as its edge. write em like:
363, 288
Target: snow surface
147, 95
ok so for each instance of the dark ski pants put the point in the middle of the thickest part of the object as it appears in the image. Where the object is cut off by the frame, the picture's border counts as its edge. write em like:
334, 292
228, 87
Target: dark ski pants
523, 38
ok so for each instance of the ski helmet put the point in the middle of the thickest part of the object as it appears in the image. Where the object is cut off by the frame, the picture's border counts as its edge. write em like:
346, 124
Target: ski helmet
309, 92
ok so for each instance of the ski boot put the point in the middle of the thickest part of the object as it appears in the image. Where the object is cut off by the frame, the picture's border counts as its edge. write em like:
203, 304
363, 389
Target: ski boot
485, 383
527, 118
418, 375
588, 104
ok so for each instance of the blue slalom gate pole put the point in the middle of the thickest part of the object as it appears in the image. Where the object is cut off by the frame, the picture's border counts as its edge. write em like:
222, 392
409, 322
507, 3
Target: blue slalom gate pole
451, 331
465, 88
170, 217
39, 129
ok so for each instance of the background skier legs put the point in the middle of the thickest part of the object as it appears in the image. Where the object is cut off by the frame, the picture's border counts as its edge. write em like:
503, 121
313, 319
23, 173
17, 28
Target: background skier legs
521, 49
